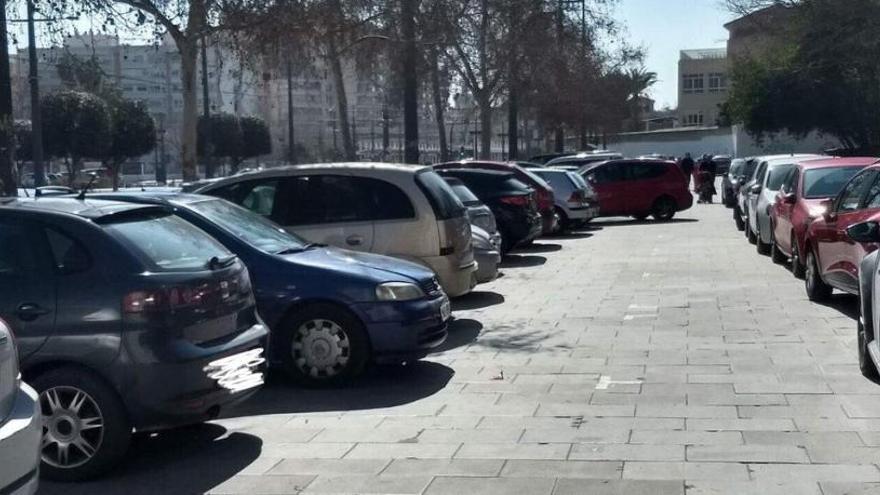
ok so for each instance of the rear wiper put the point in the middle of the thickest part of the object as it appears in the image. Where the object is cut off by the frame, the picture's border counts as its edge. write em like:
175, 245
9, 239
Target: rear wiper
313, 245
292, 250
217, 262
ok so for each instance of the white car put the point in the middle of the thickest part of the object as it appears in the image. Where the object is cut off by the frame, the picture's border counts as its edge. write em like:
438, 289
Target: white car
575, 202
21, 428
404, 211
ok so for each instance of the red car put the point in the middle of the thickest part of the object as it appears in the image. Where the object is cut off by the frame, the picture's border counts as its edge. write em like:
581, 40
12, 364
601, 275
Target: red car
639, 188
543, 191
831, 257
799, 203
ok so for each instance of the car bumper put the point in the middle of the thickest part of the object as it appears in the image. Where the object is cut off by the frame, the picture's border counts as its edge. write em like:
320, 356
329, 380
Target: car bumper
189, 384
487, 262
20, 438
582, 213
404, 331
456, 280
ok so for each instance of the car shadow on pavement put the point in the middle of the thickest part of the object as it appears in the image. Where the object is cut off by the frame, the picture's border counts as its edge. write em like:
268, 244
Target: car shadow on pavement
539, 248
574, 234
845, 303
194, 459
609, 223
380, 387
522, 261
462, 332
476, 300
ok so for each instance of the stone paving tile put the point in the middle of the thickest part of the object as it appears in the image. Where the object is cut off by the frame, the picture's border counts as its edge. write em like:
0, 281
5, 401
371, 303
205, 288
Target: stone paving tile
618, 487
627, 452
562, 469
790, 473
262, 485
660, 437
572, 435
726, 487
398, 450
725, 424
850, 488
687, 471
360, 484
747, 453
490, 486
328, 466
512, 451
444, 467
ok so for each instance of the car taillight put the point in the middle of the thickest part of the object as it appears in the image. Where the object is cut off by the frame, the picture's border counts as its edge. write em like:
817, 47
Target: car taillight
515, 200
186, 296
576, 197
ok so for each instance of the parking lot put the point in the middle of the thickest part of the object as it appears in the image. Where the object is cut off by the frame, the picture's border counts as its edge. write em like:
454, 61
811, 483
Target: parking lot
634, 357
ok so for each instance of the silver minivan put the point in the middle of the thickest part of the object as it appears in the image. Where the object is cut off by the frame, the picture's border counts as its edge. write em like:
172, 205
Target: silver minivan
21, 427
403, 211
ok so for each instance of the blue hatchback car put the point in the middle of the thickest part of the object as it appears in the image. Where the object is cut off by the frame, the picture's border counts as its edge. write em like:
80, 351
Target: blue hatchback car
330, 311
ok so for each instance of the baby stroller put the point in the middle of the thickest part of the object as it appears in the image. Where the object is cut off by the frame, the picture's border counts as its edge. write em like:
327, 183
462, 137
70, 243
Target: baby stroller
706, 187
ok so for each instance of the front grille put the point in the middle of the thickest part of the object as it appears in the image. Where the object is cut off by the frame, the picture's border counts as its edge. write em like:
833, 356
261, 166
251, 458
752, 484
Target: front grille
433, 335
432, 287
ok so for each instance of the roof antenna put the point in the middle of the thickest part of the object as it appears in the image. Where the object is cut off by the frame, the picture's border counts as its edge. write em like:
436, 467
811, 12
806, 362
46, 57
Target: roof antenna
82, 194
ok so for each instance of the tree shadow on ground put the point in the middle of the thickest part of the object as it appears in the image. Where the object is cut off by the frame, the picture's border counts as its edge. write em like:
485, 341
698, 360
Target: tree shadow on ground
194, 459
379, 387
846, 304
539, 248
476, 300
462, 333
609, 223
522, 261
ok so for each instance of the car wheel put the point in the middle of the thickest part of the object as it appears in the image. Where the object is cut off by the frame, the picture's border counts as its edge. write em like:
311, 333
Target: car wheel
664, 209
562, 223
86, 431
775, 254
797, 265
737, 218
750, 234
640, 218
760, 245
323, 345
866, 363
817, 289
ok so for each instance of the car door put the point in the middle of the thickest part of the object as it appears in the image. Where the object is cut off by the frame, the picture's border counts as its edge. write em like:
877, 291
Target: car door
645, 185
27, 289
853, 252
327, 209
609, 182
752, 197
397, 229
780, 217
833, 246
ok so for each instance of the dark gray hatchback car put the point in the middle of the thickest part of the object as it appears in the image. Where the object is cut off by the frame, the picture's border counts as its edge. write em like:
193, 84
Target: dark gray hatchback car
127, 318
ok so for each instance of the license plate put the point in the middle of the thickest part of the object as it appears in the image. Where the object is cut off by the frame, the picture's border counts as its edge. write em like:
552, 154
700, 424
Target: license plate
445, 310
238, 372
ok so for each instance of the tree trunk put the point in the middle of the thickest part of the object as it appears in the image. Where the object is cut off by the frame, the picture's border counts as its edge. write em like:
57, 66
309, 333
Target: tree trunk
189, 134
335, 63
439, 104
7, 133
485, 127
386, 134
512, 125
410, 82
584, 141
560, 139
114, 171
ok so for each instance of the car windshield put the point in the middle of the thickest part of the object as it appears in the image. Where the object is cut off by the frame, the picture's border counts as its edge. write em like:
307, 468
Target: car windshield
827, 182
250, 227
777, 176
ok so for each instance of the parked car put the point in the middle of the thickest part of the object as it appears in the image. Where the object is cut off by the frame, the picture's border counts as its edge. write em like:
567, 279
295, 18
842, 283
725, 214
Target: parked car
331, 311
512, 202
581, 160
799, 202
831, 256
21, 426
487, 252
868, 326
543, 159
741, 184
722, 164
730, 182
758, 167
574, 200
479, 214
769, 177
126, 317
543, 191
639, 188
397, 210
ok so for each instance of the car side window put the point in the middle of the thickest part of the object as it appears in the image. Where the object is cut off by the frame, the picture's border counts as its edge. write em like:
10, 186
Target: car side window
614, 172
761, 173
791, 182
872, 199
645, 171
850, 197
319, 199
388, 202
69, 255
15, 251
261, 197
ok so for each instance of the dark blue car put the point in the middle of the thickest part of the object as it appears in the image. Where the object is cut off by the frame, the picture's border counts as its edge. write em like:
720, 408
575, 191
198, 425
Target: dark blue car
330, 311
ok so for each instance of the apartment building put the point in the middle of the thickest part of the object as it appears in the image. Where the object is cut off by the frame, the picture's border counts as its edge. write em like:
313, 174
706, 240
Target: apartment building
702, 86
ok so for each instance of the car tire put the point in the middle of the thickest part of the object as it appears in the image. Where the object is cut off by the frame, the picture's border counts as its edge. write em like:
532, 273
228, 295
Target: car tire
562, 222
322, 345
664, 209
797, 265
84, 413
751, 235
866, 363
737, 218
640, 218
762, 247
817, 289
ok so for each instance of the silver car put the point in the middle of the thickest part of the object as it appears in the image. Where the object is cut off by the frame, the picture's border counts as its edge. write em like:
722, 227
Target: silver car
478, 213
21, 428
575, 202
487, 252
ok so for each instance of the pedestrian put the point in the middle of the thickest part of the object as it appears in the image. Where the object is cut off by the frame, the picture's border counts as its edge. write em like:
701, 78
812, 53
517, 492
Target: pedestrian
687, 166
706, 173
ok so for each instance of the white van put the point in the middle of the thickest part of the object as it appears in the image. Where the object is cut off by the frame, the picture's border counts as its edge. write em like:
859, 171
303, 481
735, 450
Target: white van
403, 211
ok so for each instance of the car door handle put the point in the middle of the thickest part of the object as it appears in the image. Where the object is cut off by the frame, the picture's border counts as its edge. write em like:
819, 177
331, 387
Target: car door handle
354, 240
30, 312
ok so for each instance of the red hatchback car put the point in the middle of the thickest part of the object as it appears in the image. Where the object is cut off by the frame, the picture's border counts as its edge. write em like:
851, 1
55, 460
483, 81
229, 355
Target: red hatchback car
799, 203
543, 191
639, 188
832, 258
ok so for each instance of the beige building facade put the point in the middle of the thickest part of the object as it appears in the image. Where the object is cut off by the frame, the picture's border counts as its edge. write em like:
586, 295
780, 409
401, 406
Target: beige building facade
702, 86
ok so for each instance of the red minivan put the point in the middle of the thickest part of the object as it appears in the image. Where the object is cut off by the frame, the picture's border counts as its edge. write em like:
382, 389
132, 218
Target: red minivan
799, 203
832, 258
639, 188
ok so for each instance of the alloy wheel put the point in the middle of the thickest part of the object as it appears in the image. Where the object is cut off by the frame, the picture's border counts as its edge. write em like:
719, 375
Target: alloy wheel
321, 348
73, 427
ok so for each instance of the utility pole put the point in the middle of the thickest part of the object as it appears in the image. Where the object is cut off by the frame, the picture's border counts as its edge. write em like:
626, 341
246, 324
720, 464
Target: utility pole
36, 117
291, 146
410, 82
7, 176
206, 101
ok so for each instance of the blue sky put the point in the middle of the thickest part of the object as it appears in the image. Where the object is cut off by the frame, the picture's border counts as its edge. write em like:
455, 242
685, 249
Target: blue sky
664, 27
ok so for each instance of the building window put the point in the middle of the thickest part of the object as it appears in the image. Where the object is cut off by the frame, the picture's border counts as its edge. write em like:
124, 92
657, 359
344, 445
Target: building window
717, 82
692, 83
693, 119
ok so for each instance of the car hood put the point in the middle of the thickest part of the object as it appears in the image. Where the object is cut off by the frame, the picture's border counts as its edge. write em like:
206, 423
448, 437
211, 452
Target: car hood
375, 266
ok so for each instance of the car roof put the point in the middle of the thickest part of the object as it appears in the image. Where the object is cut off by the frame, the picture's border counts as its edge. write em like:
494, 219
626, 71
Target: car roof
540, 171
90, 209
476, 172
154, 197
318, 167
839, 161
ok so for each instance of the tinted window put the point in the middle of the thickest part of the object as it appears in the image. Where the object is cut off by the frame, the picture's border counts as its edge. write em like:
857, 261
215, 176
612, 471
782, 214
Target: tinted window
778, 175
247, 226
318, 199
464, 194
748, 168
556, 180
761, 173
645, 171
791, 180
612, 172
852, 193
14, 250
387, 201
255, 195
69, 256
826, 182
736, 166
444, 202
167, 243
873, 198
579, 181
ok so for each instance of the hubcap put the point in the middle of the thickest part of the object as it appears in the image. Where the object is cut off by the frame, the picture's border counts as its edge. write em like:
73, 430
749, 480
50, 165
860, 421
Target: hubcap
811, 271
73, 427
321, 348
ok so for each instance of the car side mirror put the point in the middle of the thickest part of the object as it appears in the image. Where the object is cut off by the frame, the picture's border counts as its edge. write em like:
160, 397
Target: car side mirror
755, 189
864, 232
789, 198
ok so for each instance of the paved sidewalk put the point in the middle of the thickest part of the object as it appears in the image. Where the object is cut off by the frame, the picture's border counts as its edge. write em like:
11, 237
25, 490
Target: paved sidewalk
636, 358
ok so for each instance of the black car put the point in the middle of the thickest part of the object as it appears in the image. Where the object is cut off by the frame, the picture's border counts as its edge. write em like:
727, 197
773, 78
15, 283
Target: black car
127, 318
512, 202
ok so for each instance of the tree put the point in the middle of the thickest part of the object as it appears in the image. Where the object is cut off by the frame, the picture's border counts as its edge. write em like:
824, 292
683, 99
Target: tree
76, 125
225, 133
133, 134
80, 74
256, 140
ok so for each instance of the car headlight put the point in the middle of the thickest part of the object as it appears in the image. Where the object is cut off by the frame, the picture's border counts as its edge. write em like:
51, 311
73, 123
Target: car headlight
398, 291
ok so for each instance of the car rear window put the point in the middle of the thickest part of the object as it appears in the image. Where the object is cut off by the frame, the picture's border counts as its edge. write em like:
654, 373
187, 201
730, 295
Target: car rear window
167, 243
464, 194
444, 202
827, 182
